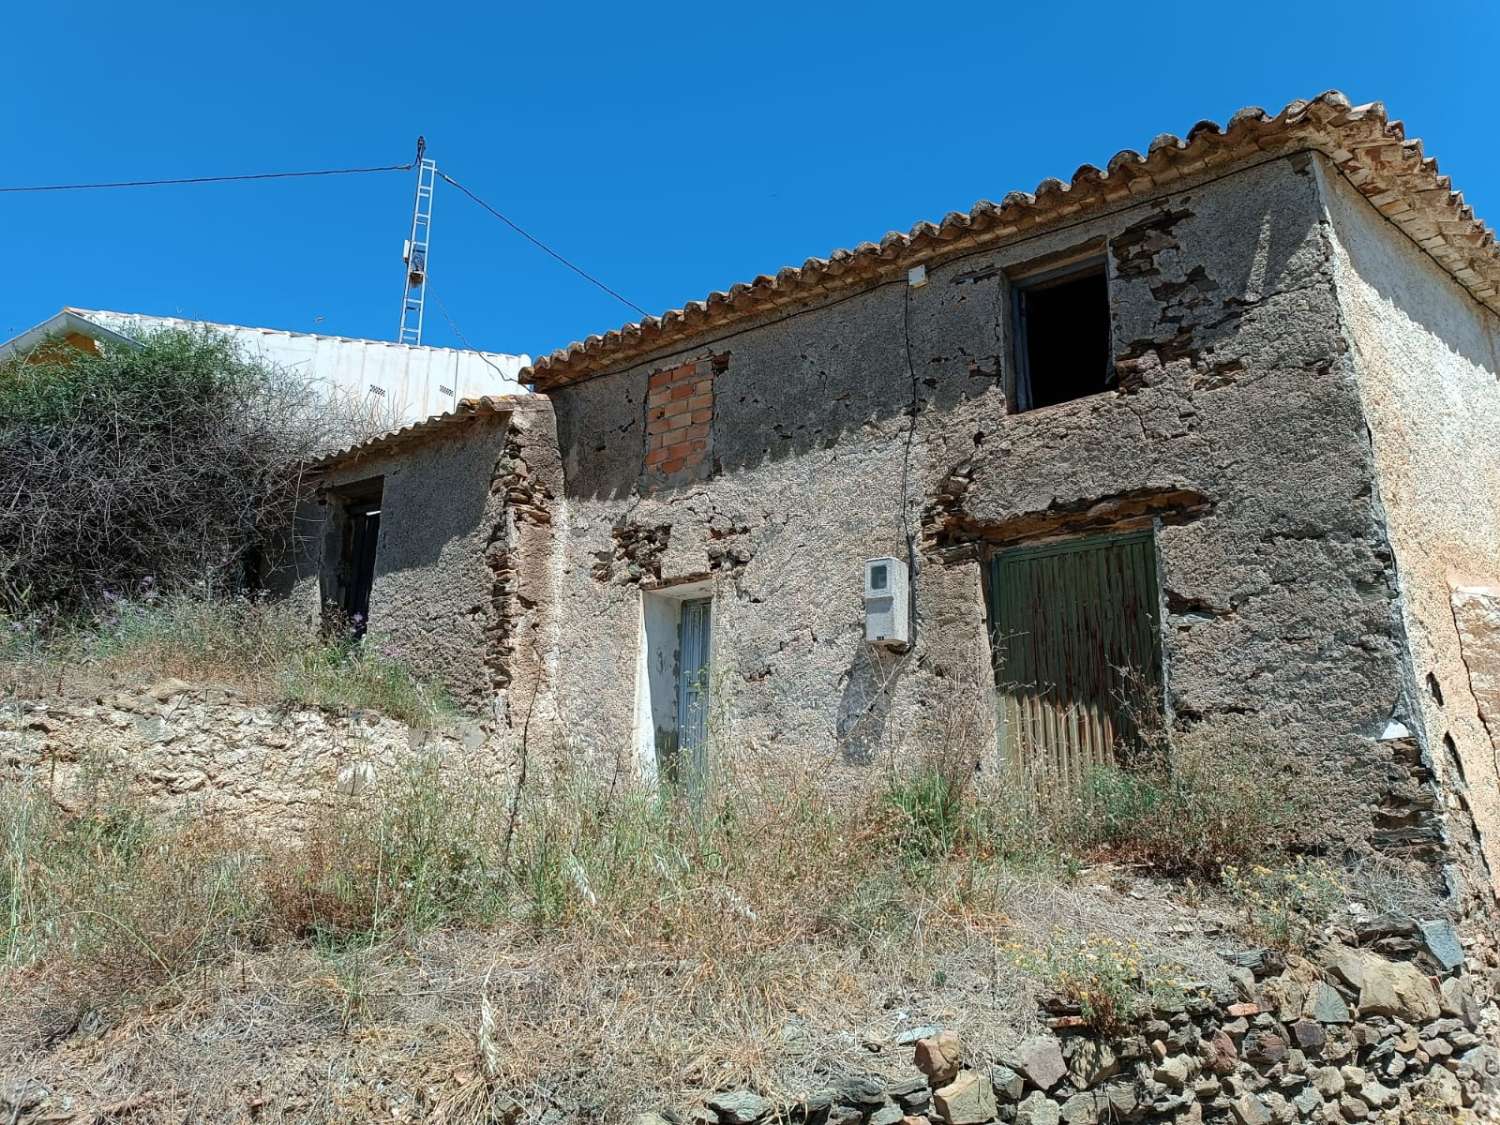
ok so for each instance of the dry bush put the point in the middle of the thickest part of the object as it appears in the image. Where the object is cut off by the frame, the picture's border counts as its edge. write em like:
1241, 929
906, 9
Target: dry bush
1214, 797
1206, 799
174, 464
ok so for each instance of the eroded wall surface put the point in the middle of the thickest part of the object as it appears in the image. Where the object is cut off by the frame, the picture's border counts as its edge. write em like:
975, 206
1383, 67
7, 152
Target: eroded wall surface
1428, 357
844, 432
193, 751
465, 555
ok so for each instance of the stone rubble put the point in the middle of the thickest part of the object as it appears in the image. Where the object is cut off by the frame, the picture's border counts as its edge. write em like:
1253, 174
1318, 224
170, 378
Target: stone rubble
1342, 1035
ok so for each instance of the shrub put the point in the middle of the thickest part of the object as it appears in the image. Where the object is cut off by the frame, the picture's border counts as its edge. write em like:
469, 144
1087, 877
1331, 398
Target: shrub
1284, 907
175, 463
1210, 800
1112, 983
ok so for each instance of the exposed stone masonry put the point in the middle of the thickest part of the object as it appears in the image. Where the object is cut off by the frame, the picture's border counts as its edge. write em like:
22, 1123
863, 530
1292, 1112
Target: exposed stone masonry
1394, 1023
199, 750
636, 555
525, 500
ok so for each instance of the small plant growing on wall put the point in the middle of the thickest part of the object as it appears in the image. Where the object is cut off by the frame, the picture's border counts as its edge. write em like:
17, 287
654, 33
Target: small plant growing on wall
1111, 983
1285, 906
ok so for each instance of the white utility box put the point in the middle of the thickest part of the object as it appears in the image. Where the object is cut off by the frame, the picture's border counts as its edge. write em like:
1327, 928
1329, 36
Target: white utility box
887, 605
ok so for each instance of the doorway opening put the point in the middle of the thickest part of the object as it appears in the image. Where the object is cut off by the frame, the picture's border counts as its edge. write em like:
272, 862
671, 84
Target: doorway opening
674, 692
357, 519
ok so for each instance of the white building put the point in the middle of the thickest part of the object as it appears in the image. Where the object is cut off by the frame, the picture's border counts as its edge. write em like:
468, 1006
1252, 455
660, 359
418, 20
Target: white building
403, 383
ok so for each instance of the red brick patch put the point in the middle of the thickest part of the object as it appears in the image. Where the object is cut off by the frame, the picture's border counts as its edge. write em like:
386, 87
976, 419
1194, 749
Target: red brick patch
679, 416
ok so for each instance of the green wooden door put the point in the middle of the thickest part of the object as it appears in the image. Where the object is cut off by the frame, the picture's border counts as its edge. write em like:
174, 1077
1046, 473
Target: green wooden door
1074, 632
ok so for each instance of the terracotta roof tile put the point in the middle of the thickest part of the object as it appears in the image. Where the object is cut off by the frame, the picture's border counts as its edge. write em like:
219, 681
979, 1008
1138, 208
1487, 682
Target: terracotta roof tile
418, 431
1372, 151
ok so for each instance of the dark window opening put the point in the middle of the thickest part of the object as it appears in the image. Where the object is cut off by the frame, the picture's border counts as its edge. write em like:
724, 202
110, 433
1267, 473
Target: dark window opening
1062, 336
359, 535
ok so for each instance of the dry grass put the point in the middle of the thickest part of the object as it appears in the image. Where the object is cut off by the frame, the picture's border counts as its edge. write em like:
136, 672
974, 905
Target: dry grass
612, 948
264, 649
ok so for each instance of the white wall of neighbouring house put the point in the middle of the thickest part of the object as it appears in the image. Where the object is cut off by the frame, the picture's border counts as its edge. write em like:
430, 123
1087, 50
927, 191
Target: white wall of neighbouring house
408, 383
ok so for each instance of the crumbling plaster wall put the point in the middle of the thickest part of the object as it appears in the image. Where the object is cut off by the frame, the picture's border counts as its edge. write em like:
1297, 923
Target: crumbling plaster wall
1428, 358
1241, 429
465, 559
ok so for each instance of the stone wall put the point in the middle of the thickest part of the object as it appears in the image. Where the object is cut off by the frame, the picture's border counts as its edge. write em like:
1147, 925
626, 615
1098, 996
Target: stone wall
853, 429
188, 750
1400, 1027
1428, 360
466, 558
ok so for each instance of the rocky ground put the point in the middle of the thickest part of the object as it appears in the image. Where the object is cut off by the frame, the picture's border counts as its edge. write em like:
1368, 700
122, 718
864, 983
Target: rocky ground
1345, 1035
909, 1013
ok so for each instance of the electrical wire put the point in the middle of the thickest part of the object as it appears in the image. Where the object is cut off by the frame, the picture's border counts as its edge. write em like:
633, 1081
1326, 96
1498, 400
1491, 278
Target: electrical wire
457, 331
911, 433
535, 241
209, 179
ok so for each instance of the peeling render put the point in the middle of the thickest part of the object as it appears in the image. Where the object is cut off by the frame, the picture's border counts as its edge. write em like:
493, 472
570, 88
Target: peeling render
1236, 431
1260, 390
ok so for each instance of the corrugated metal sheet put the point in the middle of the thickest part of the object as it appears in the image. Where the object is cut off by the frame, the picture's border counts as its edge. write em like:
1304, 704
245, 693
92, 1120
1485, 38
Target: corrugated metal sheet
1075, 635
416, 382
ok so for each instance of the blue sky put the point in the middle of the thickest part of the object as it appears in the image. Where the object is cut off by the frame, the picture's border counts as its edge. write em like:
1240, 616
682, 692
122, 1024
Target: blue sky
670, 150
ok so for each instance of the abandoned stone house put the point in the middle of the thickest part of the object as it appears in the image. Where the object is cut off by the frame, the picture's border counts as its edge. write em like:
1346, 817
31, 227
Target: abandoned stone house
1217, 426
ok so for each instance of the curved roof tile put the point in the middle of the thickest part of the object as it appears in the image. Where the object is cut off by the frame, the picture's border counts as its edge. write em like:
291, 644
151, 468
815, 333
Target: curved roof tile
1367, 146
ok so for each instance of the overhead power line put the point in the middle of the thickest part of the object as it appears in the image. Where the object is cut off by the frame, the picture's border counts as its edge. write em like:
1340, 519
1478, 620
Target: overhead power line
535, 241
210, 179
407, 167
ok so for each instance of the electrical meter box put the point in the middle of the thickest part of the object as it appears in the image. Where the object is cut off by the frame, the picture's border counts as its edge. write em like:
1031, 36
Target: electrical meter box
887, 604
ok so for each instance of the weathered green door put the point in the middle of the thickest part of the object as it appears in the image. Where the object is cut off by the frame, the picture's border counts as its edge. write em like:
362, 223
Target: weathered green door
1075, 638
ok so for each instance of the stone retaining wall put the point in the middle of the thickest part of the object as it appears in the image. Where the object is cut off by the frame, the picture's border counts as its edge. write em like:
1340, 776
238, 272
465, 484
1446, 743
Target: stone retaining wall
1400, 1028
197, 750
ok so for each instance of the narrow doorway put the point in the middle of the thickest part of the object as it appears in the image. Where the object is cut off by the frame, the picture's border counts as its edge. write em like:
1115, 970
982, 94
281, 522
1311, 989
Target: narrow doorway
674, 694
1075, 639
359, 538
693, 632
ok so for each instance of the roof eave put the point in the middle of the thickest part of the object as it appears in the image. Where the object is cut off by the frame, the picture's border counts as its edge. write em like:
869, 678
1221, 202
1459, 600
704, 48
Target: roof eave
1371, 150
61, 324
417, 432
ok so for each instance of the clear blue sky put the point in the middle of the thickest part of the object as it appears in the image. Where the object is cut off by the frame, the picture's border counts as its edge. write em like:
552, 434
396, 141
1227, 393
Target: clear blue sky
671, 150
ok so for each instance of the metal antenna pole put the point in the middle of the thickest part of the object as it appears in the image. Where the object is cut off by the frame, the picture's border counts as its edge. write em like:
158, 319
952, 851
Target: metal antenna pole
414, 253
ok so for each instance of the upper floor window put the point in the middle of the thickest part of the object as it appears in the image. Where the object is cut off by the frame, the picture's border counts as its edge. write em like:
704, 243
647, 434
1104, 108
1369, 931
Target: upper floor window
1061, 330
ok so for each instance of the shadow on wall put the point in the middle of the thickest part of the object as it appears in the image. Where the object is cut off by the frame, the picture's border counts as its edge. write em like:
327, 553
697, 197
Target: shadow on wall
1401, 273
865, 703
